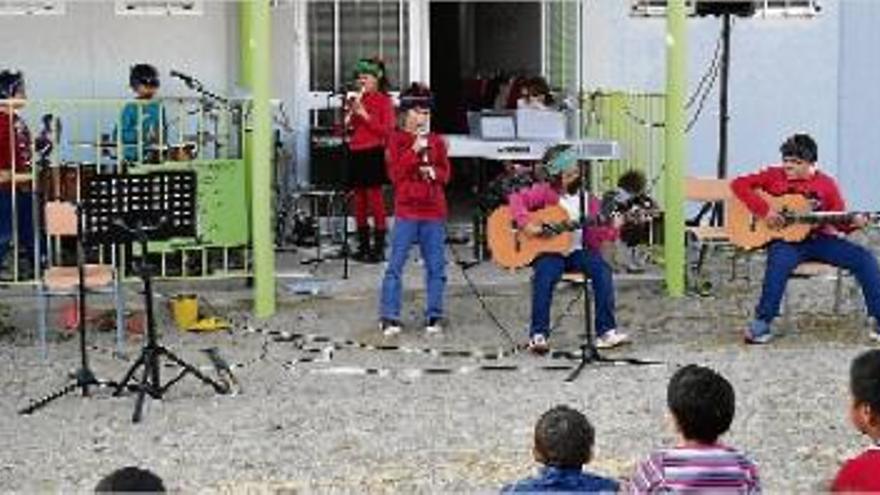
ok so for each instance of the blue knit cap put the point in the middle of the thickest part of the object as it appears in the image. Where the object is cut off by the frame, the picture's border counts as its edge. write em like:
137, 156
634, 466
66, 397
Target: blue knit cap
563, 161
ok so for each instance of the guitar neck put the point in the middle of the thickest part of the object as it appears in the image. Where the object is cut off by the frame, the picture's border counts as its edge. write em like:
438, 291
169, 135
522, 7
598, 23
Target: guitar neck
823, 217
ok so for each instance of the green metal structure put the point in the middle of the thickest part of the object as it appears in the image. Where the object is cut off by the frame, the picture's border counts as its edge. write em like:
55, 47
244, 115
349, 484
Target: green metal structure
676, 146
256, 75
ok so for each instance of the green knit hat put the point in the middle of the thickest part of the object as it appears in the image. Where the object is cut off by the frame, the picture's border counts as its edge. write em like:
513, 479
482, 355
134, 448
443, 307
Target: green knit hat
368, 66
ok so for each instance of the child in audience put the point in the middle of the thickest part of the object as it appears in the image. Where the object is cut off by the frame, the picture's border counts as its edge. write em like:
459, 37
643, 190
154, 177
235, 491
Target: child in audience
862, 473
563, 444
130, 480
702, 405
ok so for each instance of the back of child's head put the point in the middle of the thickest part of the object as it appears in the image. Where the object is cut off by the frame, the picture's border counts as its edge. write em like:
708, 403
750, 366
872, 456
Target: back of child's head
632, 181
10, 83
564, 438
143, 75
130, 479
864, 378
702, 401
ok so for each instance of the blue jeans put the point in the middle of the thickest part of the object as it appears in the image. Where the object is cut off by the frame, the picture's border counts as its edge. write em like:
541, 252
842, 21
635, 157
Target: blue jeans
24, 209
431, 237
548, 269
783, 257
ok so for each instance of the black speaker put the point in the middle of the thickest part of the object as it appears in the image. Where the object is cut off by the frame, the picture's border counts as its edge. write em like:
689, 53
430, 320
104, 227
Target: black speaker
741, 8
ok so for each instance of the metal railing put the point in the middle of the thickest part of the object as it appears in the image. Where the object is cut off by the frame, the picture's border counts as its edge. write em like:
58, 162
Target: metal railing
71, 139
636, 122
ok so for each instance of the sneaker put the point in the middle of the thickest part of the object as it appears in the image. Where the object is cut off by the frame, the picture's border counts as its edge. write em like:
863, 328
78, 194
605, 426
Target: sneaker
538, 344
875, 336
390, 327
758, 333
611, 338
434, 325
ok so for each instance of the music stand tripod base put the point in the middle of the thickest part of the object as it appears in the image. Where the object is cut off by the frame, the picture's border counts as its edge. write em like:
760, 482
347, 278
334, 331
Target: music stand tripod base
141, 208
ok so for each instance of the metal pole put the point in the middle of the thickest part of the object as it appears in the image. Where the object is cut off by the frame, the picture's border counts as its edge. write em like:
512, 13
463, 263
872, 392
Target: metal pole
256, 70
724, 114
676, 145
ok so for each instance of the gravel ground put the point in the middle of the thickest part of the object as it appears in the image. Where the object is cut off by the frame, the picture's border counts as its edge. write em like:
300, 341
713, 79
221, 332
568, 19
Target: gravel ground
307, 427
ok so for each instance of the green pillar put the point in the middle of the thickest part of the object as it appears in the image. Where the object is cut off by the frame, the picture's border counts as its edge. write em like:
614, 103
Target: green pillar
256, 75
676, 145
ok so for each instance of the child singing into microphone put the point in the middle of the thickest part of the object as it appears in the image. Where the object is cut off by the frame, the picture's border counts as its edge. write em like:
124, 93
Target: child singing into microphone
419, 169
370, 116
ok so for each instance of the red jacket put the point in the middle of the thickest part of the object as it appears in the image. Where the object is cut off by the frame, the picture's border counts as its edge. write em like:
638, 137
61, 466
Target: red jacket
417, 198
15, 146
372, 132
772, 180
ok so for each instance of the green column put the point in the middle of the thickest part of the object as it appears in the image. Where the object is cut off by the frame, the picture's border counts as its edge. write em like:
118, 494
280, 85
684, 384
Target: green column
676, 146
256, 75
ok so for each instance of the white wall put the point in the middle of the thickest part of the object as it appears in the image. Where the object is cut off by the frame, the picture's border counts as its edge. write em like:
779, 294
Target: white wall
87, 51
859, 103
783, 78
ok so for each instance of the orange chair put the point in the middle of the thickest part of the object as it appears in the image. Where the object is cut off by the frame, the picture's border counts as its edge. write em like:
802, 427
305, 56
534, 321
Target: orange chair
700, 238
62, 220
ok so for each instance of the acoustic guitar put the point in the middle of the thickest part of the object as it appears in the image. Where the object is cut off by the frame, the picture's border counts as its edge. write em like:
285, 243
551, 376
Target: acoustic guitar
513, 248
748, 231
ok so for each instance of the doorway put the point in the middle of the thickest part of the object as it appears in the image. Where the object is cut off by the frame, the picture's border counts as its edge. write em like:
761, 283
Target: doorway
474, 47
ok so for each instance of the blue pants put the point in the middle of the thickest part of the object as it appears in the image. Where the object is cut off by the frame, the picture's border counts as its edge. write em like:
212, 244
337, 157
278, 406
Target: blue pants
548, 269
431, 237
783, 257
24, 206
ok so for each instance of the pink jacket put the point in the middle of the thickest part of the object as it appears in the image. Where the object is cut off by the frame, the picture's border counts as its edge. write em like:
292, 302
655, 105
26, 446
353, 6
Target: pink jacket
541, 195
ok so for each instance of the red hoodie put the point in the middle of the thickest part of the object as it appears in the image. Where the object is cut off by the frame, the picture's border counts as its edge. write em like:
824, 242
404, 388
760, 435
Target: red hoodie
772, 180
417, 198
372, 132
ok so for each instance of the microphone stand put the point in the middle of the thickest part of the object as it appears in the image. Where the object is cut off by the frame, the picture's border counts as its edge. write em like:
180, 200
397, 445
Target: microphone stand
589, 353
209, 99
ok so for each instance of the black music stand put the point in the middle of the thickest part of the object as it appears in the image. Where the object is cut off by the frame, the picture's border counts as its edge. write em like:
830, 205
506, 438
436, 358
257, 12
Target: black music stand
141, 208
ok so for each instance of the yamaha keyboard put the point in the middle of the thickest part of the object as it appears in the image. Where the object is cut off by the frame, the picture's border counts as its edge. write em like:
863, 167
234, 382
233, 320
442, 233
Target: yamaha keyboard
465, 146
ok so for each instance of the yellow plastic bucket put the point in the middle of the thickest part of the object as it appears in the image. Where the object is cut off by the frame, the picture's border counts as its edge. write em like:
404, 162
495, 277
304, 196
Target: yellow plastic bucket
185, 309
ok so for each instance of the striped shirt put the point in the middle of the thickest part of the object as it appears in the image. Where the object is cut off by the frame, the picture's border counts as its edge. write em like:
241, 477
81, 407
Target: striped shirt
708, 469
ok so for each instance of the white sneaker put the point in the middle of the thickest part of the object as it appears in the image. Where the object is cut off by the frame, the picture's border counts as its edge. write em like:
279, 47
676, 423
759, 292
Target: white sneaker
434, 325
874, 336
611, 338
538, 344
390, 328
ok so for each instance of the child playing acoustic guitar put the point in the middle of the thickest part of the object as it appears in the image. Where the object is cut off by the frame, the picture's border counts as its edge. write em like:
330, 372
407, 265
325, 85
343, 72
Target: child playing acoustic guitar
560, 162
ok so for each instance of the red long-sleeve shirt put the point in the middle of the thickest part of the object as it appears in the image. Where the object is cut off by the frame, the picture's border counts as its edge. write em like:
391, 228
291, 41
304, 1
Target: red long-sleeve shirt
861, 474
15, 146
417, 198
372, 132
818, 187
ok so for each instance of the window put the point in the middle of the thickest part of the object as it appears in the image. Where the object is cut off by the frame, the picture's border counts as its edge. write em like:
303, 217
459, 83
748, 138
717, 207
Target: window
561, 41
342, 31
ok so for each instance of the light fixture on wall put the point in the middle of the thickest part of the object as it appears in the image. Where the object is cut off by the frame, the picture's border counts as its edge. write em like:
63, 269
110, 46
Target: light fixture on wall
757, 8
31, 7
159, 7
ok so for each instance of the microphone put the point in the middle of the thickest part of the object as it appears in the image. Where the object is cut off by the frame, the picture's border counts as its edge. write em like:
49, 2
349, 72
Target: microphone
188, 80
428, 172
